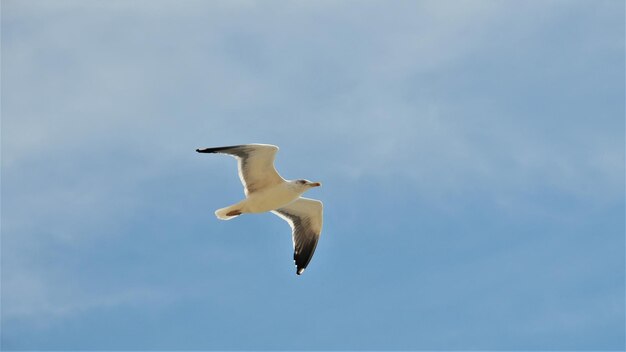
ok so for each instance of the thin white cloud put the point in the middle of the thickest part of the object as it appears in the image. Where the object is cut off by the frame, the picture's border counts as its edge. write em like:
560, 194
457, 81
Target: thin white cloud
153, 80
32, 297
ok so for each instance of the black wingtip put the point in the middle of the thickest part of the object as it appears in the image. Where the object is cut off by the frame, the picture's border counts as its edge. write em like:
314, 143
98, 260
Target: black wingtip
299, 271
217, 149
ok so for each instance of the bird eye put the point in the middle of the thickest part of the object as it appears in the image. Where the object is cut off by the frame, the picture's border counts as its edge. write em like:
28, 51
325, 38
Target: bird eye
301, 182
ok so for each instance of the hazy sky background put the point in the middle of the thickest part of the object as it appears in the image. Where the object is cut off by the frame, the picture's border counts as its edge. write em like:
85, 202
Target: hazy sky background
472, 156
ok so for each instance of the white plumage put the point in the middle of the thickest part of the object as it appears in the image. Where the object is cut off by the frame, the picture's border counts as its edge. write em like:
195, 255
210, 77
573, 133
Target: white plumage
266, 190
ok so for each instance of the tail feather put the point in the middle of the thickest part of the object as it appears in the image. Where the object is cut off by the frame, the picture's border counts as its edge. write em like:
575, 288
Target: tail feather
228, 212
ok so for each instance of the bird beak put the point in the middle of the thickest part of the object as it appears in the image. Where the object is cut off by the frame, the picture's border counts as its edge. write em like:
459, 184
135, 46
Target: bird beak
315, 184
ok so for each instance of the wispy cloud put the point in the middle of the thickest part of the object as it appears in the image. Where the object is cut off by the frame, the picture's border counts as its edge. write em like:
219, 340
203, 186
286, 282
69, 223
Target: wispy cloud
505, 105
32, 297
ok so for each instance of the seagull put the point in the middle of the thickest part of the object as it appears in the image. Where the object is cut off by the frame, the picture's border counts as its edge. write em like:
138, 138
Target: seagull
266, 190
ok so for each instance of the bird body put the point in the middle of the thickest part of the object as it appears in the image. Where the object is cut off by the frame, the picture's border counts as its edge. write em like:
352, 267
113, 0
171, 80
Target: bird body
266, 191
264, 200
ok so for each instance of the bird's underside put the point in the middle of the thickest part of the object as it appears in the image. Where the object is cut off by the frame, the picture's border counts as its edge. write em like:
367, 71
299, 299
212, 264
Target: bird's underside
266, 190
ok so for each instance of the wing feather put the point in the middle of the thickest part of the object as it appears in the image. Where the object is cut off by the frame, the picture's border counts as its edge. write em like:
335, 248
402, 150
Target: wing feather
255, 164
305, 216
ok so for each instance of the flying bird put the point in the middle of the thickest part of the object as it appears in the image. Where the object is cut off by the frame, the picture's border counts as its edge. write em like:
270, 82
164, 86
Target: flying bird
266, 190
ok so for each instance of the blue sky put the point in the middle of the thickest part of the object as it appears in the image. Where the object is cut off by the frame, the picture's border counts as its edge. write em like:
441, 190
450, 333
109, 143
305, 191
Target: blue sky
472, 156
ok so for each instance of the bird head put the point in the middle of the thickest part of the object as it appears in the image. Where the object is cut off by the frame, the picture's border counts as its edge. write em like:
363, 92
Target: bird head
306, 184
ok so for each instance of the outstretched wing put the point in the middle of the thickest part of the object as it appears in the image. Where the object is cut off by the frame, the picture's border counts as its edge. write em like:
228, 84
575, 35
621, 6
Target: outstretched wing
256, 164
305, 216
